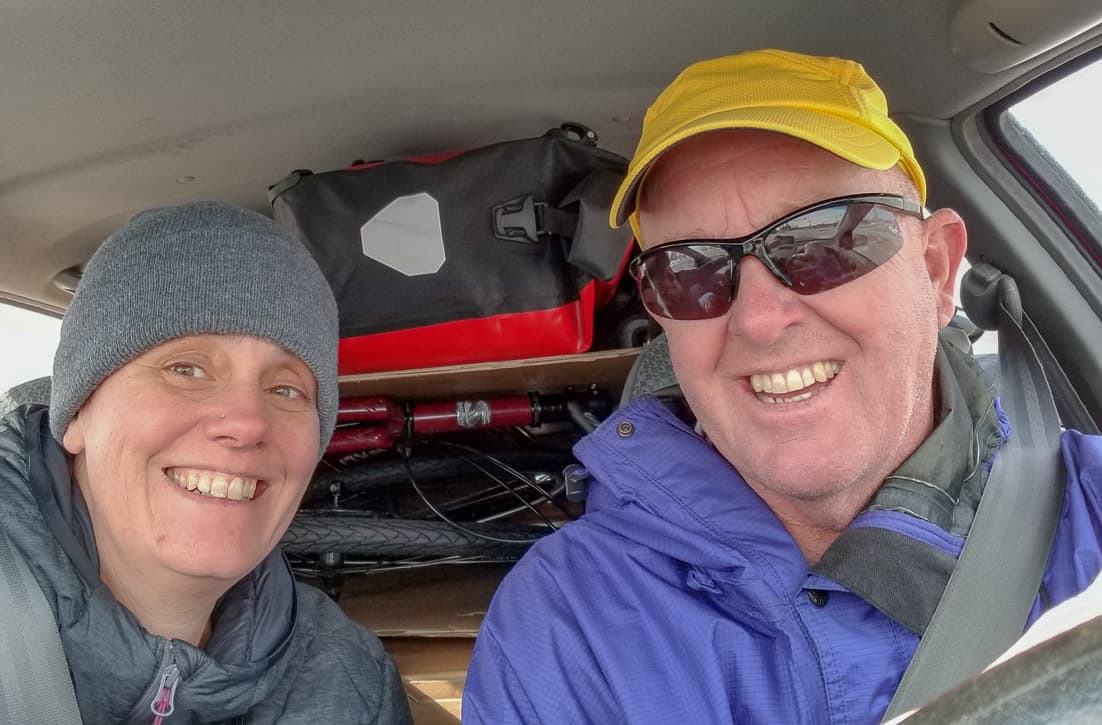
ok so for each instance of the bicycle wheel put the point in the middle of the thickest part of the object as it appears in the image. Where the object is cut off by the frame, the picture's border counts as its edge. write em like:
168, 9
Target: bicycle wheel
389, 471
362, 534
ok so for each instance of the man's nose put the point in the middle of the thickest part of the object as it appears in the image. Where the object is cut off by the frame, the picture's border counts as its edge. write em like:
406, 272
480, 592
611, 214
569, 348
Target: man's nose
763, 305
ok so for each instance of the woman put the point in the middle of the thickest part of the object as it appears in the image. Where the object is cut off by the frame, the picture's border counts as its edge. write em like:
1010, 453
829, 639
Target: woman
194, 389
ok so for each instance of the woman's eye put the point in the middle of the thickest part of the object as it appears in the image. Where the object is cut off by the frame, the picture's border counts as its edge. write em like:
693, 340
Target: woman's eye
289, 392
187, 370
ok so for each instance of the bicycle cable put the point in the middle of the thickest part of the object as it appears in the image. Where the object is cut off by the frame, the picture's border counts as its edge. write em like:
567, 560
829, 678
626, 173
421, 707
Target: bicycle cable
549, 495
523, 479
442, 517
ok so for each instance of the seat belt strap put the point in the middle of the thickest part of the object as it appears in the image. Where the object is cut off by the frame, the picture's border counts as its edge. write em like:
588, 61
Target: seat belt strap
987, 601
35, 683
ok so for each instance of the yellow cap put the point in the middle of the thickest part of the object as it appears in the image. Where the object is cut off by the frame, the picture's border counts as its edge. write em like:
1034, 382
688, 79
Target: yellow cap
830, 102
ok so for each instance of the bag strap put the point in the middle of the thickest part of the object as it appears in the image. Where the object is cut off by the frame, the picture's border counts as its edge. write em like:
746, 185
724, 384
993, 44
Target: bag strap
987, 601
35, 684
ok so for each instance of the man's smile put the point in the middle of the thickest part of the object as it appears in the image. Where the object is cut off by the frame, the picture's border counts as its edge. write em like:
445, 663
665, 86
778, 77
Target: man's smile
779, 387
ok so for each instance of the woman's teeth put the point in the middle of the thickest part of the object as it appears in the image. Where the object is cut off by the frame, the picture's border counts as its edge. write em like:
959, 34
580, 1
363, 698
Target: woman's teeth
214, 483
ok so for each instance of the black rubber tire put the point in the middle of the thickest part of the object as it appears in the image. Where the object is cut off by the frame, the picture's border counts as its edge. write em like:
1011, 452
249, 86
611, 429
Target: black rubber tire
428, 467
360, 534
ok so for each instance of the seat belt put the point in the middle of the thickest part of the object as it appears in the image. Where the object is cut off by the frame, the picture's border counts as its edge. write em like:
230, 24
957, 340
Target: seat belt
35, 684
997, 577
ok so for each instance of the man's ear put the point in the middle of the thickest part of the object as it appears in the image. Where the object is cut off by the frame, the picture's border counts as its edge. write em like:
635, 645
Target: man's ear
73, 439
946, 243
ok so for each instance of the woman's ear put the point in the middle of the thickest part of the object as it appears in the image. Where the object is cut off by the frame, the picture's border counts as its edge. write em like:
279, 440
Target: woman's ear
946, 243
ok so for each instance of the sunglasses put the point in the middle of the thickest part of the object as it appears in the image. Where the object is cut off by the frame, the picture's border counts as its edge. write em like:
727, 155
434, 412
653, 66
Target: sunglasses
811, 250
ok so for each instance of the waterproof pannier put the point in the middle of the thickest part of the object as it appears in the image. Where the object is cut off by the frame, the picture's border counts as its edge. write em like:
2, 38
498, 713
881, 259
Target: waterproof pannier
497, 253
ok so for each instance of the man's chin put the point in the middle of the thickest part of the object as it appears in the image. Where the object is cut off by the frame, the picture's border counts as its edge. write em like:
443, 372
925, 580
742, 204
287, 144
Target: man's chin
810, 482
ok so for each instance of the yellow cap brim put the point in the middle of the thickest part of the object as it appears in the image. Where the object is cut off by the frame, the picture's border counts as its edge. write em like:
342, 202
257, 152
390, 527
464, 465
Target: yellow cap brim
841, 136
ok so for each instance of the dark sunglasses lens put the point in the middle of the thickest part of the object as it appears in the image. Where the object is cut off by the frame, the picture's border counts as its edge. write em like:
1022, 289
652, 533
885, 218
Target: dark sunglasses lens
687, 283
829, 247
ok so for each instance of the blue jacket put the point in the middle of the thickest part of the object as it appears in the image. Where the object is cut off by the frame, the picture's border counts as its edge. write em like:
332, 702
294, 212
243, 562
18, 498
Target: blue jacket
680, 598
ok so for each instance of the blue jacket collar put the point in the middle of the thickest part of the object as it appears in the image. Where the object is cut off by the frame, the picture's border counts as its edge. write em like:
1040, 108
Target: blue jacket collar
698, 508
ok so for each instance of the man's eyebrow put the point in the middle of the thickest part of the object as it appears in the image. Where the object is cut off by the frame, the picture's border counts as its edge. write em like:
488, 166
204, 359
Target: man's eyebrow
696, 233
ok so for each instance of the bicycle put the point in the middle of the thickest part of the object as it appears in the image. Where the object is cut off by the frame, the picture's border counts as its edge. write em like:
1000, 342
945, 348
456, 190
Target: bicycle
414, 484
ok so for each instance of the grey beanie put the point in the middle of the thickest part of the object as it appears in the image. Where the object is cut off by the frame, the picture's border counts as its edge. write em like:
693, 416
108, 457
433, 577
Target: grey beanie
205, 267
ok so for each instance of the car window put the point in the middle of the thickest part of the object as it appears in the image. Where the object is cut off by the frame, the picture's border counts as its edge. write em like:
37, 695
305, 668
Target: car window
1062, 121
29, 340
1047, 133
1051, 131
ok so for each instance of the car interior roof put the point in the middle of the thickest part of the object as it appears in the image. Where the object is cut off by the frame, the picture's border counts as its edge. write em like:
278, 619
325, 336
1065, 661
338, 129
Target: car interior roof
114, 107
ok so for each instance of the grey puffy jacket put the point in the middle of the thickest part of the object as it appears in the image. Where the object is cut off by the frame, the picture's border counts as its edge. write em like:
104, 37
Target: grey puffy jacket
280, 651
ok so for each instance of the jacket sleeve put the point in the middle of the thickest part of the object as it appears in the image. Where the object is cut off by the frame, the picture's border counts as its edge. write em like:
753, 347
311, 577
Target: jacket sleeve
376, 679
494, 694
393, 706
344, 673
1076, 556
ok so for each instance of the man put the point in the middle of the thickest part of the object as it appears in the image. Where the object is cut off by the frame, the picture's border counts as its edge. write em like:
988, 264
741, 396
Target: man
782, 566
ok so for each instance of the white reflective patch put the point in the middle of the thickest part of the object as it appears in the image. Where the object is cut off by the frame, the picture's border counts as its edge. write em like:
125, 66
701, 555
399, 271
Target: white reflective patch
406, 235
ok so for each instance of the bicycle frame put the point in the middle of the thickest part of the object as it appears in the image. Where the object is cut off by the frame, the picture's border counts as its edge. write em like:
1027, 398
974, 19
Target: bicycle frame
379, 422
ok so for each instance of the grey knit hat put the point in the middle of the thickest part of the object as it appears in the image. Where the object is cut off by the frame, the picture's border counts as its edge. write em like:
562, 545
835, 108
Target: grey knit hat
205, 267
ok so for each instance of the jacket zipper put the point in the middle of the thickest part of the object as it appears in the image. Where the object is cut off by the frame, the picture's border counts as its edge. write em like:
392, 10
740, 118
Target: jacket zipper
164, 701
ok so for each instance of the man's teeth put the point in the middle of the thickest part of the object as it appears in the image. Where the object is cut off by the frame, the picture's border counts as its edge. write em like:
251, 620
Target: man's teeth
213, 483
790, 381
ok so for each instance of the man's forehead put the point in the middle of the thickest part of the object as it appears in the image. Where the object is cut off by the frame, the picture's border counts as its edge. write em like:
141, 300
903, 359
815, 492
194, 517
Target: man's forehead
788, 168
750, 149
729, 183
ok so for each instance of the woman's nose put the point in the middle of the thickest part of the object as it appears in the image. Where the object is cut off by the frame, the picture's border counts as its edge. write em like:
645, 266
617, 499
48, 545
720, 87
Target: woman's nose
239, 417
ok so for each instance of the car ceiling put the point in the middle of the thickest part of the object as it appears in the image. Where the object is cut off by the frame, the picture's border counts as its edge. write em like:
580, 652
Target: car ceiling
111, 107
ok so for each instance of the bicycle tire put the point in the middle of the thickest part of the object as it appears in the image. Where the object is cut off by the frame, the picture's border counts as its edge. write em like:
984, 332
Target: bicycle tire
383, 473
362, 534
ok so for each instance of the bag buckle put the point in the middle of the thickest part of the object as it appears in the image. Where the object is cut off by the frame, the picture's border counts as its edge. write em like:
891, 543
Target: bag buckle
519, 219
